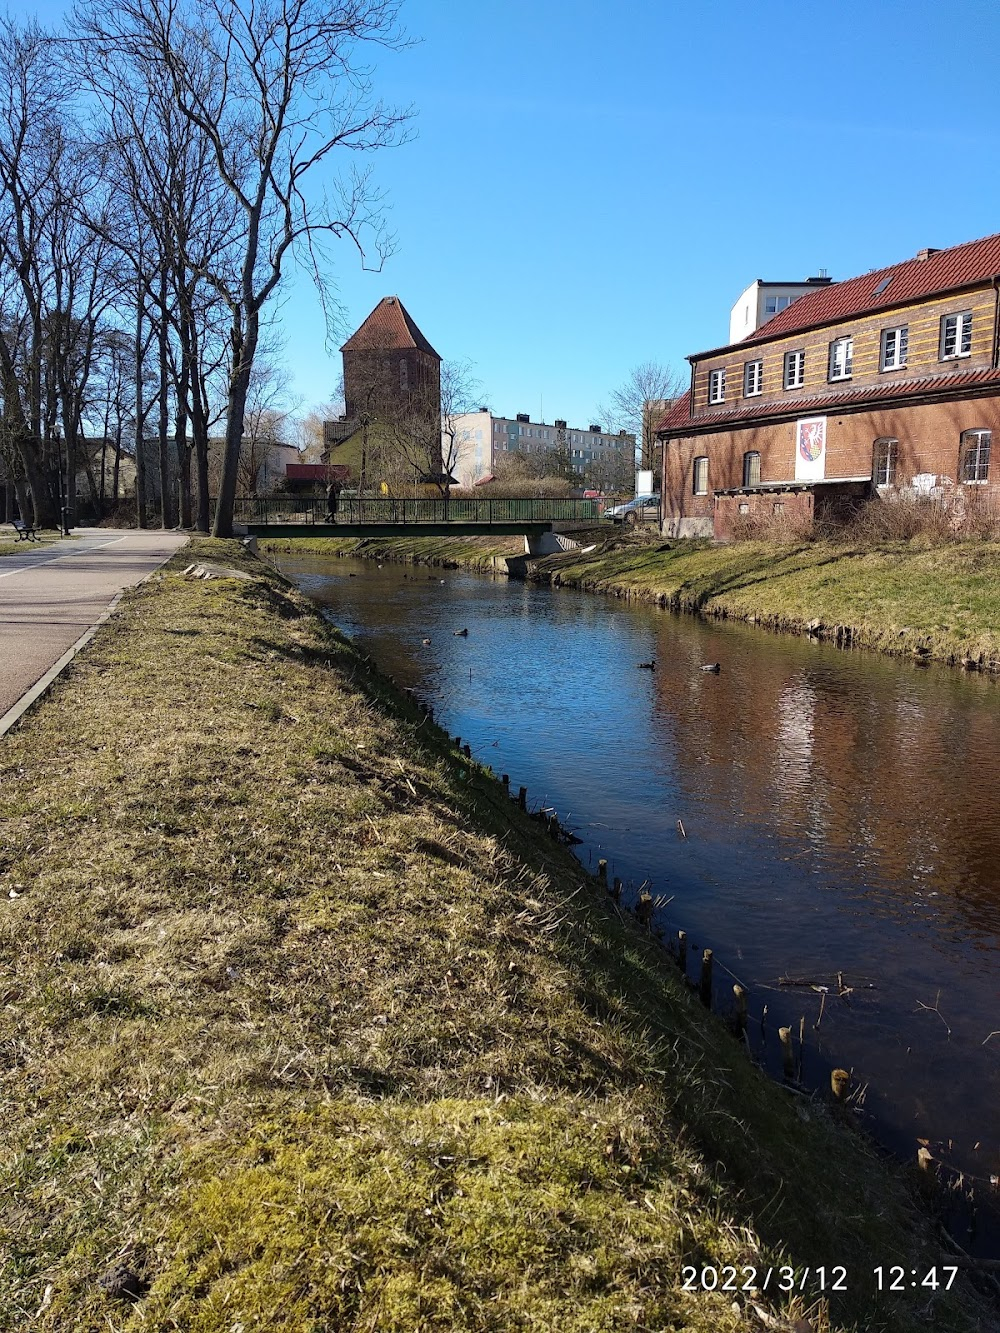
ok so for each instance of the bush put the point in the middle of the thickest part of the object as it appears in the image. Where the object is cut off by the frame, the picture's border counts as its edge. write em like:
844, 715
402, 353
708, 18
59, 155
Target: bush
959, 514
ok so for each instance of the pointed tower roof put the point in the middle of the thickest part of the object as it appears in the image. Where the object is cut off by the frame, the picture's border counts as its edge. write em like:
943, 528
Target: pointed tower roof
389, 326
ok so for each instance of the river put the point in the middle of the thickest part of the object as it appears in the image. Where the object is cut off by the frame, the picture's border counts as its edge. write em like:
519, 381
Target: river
836, 831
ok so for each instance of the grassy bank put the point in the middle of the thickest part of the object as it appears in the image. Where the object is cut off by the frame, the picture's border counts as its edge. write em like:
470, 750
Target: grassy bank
941, 601
475, 552
306, 1028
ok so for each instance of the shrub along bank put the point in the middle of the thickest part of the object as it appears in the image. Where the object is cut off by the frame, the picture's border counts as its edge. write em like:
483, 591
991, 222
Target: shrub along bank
306, 1027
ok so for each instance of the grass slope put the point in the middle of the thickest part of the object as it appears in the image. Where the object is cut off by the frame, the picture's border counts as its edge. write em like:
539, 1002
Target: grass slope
475, 552
305, 1027
942, 601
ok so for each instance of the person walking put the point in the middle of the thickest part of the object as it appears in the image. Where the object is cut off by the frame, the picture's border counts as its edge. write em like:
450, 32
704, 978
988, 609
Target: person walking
332, 501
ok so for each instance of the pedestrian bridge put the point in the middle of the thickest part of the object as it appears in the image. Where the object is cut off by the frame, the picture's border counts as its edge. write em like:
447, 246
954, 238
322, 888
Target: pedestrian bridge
385, 516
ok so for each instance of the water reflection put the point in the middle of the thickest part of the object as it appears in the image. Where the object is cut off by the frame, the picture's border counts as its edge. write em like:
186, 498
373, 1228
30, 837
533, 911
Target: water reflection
833, 805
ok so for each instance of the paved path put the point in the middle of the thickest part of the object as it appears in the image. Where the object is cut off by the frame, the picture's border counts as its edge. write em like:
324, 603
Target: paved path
51, 595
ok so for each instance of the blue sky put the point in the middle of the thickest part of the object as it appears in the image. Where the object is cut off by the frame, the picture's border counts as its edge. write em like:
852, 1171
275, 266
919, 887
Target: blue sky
591, 186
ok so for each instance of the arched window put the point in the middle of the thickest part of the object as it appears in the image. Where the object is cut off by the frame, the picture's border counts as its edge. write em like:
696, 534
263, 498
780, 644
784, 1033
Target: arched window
974, 455
884, 453
751, 468
699, 476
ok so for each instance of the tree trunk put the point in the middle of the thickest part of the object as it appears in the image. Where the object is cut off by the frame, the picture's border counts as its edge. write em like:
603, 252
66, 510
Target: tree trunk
166, 508
239, 385
140, 417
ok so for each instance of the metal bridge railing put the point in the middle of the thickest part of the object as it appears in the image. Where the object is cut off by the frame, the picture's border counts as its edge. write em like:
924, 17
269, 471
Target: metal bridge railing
386, 509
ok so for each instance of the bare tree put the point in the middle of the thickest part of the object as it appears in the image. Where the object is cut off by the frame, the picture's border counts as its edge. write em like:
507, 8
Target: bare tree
461, 392
307, 430
638, 404
274, 86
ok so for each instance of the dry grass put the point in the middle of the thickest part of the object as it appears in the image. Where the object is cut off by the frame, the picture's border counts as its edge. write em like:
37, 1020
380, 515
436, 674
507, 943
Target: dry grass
10, 545
941, 601
308, 1029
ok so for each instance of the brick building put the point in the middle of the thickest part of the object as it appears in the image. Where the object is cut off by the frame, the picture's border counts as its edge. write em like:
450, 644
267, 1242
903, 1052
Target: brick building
390, 433
885, 383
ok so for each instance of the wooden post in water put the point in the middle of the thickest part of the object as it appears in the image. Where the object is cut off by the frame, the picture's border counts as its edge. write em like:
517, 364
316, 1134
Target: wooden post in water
467, 751
643, 908
505, 779
522, 798
740, 995
682, 950
840, 1082
554, 826
787, 1052
705, 984
602, 868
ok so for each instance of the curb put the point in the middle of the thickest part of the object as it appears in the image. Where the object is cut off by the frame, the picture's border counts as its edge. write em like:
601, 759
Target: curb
14, 715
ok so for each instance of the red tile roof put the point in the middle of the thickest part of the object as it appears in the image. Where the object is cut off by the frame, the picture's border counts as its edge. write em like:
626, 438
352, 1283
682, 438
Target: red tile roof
677, 420
914, 279
388, 326
315, 472
678, 415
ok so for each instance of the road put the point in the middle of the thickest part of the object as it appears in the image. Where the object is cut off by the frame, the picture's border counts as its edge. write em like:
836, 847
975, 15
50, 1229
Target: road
51, 595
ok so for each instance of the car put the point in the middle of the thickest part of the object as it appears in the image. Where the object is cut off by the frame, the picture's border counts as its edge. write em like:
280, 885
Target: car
643, 509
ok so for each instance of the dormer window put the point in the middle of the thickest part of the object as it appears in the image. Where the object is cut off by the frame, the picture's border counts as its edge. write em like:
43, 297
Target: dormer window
717, 386
841, 359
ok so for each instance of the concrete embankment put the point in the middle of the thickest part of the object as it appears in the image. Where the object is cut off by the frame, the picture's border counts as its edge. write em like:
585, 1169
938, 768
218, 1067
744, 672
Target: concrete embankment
307, 1025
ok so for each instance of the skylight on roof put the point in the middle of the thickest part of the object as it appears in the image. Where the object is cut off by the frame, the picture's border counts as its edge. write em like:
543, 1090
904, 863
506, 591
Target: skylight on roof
882, 286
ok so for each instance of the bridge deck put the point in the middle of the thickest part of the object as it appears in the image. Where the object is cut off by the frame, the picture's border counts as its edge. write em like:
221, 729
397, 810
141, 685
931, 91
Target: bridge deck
425, 529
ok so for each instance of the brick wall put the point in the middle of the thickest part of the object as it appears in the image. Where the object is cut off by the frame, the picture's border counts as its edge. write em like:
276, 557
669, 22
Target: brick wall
928, 436
923, 322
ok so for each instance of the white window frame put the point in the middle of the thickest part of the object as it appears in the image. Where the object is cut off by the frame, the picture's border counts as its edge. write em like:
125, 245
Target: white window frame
885, 453
895, 347
717, 385
749, 467
794, 375
753, 379
703, 470
956, 328
979, 454
841, 365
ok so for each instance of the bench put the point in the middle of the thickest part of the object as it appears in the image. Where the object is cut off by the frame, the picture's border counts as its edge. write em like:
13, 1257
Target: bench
25, 531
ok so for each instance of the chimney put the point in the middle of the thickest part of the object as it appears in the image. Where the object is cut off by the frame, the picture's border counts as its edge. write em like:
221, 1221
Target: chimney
926, 254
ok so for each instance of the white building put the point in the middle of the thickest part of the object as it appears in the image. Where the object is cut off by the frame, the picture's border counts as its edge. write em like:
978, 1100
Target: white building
480, 437
763, 300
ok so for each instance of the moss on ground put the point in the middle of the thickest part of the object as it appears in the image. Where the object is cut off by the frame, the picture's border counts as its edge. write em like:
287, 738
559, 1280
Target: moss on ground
306, 1027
